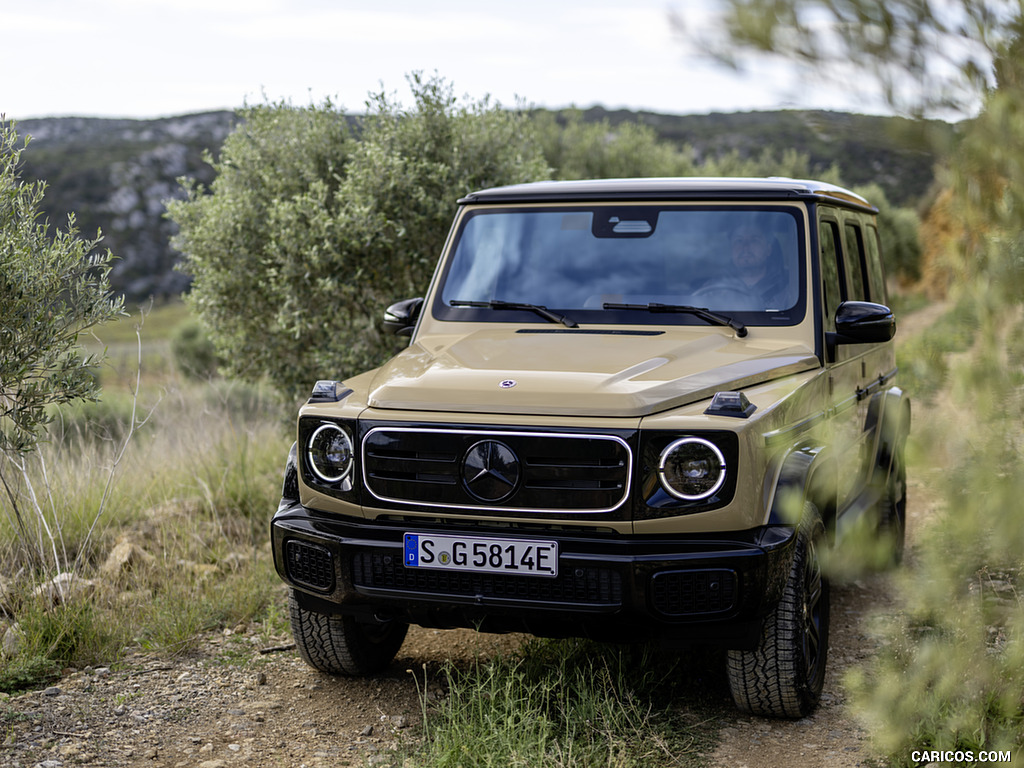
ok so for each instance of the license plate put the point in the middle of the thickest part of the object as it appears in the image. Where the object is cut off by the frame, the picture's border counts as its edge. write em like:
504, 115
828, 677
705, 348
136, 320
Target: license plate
482, 555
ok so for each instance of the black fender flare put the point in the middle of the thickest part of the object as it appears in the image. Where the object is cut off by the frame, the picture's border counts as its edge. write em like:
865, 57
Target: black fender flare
807, 474
888, 418
290, 486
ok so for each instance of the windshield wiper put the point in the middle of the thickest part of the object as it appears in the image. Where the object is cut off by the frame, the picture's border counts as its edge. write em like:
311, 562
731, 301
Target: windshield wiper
544, 312
702, 312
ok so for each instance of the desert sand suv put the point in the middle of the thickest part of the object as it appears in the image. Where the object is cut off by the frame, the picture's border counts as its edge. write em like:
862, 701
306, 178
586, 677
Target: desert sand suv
630, 410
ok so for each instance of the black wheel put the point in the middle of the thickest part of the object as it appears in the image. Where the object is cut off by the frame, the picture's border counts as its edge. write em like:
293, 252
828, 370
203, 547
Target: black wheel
341, 645
784, 675
892, 512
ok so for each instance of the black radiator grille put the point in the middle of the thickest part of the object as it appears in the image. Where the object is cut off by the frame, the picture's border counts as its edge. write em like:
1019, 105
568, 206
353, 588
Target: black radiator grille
688, 593
555, 472
574, 586
309, 564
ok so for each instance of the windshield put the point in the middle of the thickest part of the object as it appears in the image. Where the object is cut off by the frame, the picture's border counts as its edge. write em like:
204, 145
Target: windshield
742, 261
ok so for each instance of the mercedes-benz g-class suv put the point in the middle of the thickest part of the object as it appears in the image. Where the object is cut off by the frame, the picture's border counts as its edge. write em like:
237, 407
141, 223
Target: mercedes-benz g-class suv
630, 410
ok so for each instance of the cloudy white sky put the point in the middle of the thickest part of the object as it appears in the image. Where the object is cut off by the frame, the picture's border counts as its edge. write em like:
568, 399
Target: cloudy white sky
152, 58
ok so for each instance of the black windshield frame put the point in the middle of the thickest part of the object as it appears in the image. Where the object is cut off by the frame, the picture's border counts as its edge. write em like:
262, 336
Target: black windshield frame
634, 233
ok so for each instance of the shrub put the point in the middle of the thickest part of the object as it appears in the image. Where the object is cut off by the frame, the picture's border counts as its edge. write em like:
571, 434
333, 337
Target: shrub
194, 353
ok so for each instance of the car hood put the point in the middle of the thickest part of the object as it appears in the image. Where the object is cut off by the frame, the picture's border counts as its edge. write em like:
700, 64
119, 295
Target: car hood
577, 373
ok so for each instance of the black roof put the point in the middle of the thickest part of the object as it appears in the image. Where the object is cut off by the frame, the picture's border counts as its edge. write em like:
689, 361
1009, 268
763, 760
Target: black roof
705, 188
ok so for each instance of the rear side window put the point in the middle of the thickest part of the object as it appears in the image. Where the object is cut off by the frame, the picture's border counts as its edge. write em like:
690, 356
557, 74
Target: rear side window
876, 278
828, 236
854, 263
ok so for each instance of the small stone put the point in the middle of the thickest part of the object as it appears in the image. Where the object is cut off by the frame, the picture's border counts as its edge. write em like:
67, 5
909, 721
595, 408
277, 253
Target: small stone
125, 556
261, 678
401, 721
63, 587
53, 690
13, 638
367, 731
235, 747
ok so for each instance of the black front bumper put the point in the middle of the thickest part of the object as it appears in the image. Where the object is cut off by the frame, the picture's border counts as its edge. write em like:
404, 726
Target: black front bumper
688, 589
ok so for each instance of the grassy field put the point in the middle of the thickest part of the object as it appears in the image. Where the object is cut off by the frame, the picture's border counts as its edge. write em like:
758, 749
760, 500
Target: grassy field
183, 473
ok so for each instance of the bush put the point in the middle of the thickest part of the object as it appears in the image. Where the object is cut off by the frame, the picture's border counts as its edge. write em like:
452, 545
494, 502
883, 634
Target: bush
311, 230
194, 353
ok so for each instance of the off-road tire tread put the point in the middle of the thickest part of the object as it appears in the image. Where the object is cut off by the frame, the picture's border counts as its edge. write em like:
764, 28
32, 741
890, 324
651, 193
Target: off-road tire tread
340, 645
772, 679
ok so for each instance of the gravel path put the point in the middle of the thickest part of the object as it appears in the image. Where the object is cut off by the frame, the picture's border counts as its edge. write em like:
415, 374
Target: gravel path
227, 705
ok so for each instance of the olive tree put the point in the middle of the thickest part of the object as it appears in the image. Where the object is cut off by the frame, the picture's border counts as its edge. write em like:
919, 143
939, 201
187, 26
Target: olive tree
315, 222
54, 286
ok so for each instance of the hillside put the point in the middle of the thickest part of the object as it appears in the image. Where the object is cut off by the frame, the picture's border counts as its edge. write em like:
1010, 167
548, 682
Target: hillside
890, 151
116, 174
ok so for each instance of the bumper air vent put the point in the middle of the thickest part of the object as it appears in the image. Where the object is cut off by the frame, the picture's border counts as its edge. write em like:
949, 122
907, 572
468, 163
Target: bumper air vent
692, 593
309, 565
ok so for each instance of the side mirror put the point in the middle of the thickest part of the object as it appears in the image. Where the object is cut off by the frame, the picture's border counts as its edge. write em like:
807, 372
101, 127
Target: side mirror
863, 322
400, 318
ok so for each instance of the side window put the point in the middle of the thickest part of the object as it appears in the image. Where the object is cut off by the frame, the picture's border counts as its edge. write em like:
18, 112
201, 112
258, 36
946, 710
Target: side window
828, 241
876, 279
854, 263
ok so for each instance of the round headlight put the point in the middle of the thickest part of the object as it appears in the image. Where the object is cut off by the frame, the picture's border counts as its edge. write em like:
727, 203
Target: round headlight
692, 469
330, 452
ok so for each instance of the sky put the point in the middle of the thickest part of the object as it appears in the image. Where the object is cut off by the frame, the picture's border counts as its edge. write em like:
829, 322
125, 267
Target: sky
156, 58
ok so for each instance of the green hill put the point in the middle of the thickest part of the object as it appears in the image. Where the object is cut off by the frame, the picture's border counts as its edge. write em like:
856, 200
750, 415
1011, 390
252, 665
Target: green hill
116, 173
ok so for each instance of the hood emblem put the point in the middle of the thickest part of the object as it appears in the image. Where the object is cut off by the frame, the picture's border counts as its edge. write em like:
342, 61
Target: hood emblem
507, 384
490, 471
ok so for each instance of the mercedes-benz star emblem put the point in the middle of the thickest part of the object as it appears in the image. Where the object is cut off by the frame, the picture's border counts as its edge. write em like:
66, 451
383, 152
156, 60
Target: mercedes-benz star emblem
507, 384
490, 470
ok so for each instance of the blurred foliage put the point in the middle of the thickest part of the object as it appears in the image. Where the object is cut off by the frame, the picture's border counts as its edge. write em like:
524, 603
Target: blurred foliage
950, 673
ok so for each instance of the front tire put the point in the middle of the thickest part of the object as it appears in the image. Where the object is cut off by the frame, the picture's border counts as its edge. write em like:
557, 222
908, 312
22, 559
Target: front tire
341, 645
784, 675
